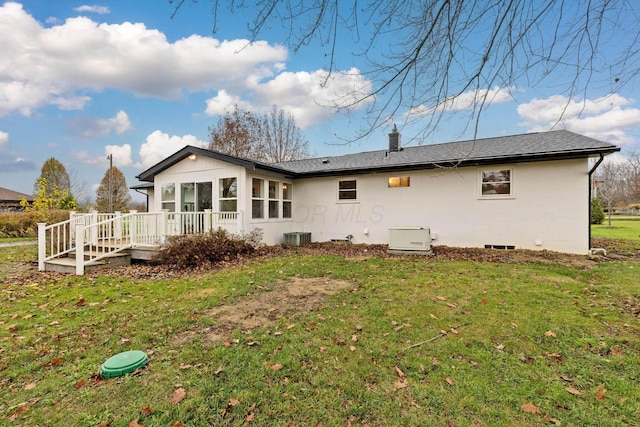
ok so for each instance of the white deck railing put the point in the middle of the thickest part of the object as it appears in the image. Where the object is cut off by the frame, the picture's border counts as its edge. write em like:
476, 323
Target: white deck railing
94, 236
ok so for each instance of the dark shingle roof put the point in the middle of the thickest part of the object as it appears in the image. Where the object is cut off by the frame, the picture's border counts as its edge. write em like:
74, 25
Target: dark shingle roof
552, 145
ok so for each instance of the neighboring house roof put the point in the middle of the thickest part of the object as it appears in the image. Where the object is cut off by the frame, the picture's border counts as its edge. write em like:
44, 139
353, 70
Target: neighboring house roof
553, 145
7, 195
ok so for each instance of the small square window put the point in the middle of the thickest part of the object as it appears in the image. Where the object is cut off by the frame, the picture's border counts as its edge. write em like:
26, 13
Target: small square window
496, 182
347, 190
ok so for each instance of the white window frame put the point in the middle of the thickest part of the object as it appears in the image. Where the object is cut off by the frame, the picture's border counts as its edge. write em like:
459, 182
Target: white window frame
271, 200
339, 191
482, 182
258, 198
221, 195
169, 204
287, 201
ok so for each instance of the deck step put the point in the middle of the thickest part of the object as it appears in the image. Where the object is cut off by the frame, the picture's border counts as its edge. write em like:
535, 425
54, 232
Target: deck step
68, 264
116, 259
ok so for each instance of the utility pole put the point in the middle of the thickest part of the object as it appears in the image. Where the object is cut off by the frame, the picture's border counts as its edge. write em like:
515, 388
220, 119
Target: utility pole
110, 158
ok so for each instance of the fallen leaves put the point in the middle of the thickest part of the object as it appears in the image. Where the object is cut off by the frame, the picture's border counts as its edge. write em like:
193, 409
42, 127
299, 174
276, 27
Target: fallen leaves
550, 334
530, 408
402, 382
54, 362
600, 394
23, 408
573, 391
178, 395
233, 402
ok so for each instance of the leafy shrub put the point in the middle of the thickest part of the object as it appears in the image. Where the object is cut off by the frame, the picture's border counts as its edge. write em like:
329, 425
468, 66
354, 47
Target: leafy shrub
597, 212
25, 224
217, 246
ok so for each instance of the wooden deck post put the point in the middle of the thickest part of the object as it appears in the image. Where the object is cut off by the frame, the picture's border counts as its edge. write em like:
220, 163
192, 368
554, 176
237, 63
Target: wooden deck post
117, 226
207, 220
79, 249
42, 245
133, 226
164, 225
94, 230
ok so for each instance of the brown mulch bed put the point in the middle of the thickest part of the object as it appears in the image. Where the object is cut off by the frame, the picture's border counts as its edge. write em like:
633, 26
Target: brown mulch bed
361, 251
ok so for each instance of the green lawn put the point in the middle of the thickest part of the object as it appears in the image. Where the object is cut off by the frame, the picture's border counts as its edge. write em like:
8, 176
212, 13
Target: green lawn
627, 229
494, 344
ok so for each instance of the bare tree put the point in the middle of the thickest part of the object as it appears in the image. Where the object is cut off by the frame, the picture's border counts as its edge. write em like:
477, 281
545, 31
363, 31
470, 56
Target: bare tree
236, 133
632, 177
282, 140
610, 185
426, 58
272, 137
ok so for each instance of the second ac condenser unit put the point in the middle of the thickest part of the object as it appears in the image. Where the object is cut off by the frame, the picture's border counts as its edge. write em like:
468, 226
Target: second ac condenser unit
410, 239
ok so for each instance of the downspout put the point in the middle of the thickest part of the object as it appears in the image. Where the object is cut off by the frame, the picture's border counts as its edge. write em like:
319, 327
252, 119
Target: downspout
146, 195
593, 169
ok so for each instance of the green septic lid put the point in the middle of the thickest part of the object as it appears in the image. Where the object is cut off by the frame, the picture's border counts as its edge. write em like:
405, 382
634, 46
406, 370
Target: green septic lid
123, 363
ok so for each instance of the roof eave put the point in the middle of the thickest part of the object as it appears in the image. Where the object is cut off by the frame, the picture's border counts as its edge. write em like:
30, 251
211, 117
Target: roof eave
576, 154
149, 174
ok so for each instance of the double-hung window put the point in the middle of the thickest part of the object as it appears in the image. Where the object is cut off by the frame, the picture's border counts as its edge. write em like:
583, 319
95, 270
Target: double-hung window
228, 194
496, 183
257, 198
287, 192
347, 190
274, 199
168, 197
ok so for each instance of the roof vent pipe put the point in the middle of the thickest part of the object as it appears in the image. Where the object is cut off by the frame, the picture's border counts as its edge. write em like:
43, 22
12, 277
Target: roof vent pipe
394, 140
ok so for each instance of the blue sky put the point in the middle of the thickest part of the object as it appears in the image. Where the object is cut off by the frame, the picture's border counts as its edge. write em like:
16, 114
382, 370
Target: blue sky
80, 81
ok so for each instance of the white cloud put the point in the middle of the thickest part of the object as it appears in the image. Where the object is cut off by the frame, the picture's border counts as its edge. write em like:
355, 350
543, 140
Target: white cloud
310, 97
56, 66
101, 10
159, 146
4, 139
224, 103
466, 101
121, 154
88, 127
603, 118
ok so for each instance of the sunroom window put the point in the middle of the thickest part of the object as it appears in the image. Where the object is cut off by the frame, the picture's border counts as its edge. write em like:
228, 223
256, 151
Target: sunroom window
274, 199
228, 194
257, 198
168, 197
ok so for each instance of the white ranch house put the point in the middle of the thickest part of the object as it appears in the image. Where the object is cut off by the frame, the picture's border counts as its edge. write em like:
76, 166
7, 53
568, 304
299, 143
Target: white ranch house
527, 191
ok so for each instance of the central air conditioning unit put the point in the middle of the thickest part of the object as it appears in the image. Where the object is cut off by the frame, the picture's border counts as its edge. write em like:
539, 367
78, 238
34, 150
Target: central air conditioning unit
410, 239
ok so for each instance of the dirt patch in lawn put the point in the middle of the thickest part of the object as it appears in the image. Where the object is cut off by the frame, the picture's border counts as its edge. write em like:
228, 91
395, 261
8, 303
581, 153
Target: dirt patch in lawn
294, 298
